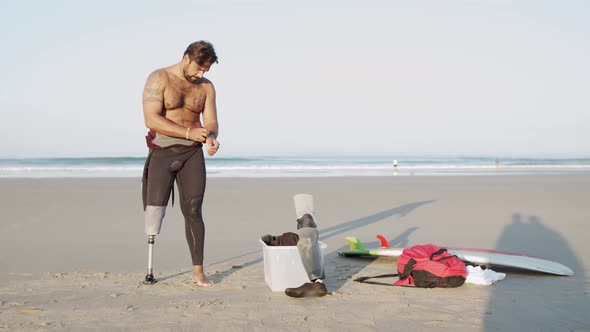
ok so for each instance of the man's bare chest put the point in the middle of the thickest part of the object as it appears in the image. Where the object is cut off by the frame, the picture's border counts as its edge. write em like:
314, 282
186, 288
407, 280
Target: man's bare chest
184, 96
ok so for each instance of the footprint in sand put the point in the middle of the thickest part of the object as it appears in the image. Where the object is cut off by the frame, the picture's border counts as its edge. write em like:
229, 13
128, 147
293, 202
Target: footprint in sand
210, 302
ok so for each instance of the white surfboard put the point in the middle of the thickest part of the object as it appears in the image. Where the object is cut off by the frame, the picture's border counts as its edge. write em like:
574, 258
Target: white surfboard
469, 255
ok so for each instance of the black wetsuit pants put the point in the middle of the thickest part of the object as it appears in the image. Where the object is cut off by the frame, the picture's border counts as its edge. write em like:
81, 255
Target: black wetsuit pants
186, 166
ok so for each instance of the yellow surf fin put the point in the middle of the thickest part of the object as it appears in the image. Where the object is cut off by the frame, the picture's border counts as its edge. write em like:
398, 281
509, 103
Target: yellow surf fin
354, 243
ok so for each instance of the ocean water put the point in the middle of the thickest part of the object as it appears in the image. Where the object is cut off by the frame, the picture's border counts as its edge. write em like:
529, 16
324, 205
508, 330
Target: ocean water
298, 166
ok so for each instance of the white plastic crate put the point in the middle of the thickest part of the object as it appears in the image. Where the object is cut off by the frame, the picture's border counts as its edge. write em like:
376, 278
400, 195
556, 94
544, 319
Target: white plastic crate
283, 267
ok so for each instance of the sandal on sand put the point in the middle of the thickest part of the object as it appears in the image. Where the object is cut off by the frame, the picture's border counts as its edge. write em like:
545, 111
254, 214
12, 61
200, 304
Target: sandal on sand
308, 289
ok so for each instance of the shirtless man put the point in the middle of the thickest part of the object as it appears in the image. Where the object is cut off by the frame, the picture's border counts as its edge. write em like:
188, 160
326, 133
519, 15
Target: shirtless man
174, 100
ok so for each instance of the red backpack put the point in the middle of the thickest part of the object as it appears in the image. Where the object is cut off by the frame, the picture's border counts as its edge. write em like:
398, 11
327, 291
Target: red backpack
427, 266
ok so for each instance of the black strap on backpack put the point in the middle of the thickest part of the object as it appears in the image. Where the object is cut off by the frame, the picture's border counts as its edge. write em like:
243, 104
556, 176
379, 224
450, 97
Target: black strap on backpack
440, 251
407, 271
363, 279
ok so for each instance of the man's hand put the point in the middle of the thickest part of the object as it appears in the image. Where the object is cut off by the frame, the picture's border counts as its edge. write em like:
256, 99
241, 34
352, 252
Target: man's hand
198, 134
212, 145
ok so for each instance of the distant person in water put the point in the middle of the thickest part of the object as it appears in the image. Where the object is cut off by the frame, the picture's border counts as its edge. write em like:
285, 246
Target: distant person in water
179, 109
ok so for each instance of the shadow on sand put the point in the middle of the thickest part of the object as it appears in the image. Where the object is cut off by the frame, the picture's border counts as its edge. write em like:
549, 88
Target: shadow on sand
536, 301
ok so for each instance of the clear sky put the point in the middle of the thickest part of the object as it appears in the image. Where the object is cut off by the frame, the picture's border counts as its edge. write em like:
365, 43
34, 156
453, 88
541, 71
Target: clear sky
418, 77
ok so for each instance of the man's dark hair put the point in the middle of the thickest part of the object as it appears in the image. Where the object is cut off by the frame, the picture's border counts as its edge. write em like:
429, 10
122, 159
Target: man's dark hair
201, 52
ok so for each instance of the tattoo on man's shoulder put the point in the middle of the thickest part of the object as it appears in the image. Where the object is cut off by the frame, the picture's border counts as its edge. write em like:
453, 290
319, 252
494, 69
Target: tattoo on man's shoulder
153, 98
154, 87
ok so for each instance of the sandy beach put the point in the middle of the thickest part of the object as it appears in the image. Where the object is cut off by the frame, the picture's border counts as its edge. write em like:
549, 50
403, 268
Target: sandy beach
73, 254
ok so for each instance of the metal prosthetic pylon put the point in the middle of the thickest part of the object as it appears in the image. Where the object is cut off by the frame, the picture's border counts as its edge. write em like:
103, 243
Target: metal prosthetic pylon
149, 278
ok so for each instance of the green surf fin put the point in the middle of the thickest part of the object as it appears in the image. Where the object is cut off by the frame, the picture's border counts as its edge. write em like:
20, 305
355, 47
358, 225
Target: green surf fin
354, 243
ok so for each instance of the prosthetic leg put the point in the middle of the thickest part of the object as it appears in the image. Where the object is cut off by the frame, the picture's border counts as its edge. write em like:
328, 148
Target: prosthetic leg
309, 249
308, 244
154, 215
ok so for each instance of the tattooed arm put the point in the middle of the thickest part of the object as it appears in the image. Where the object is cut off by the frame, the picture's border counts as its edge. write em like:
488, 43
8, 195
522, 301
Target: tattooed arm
153, 110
